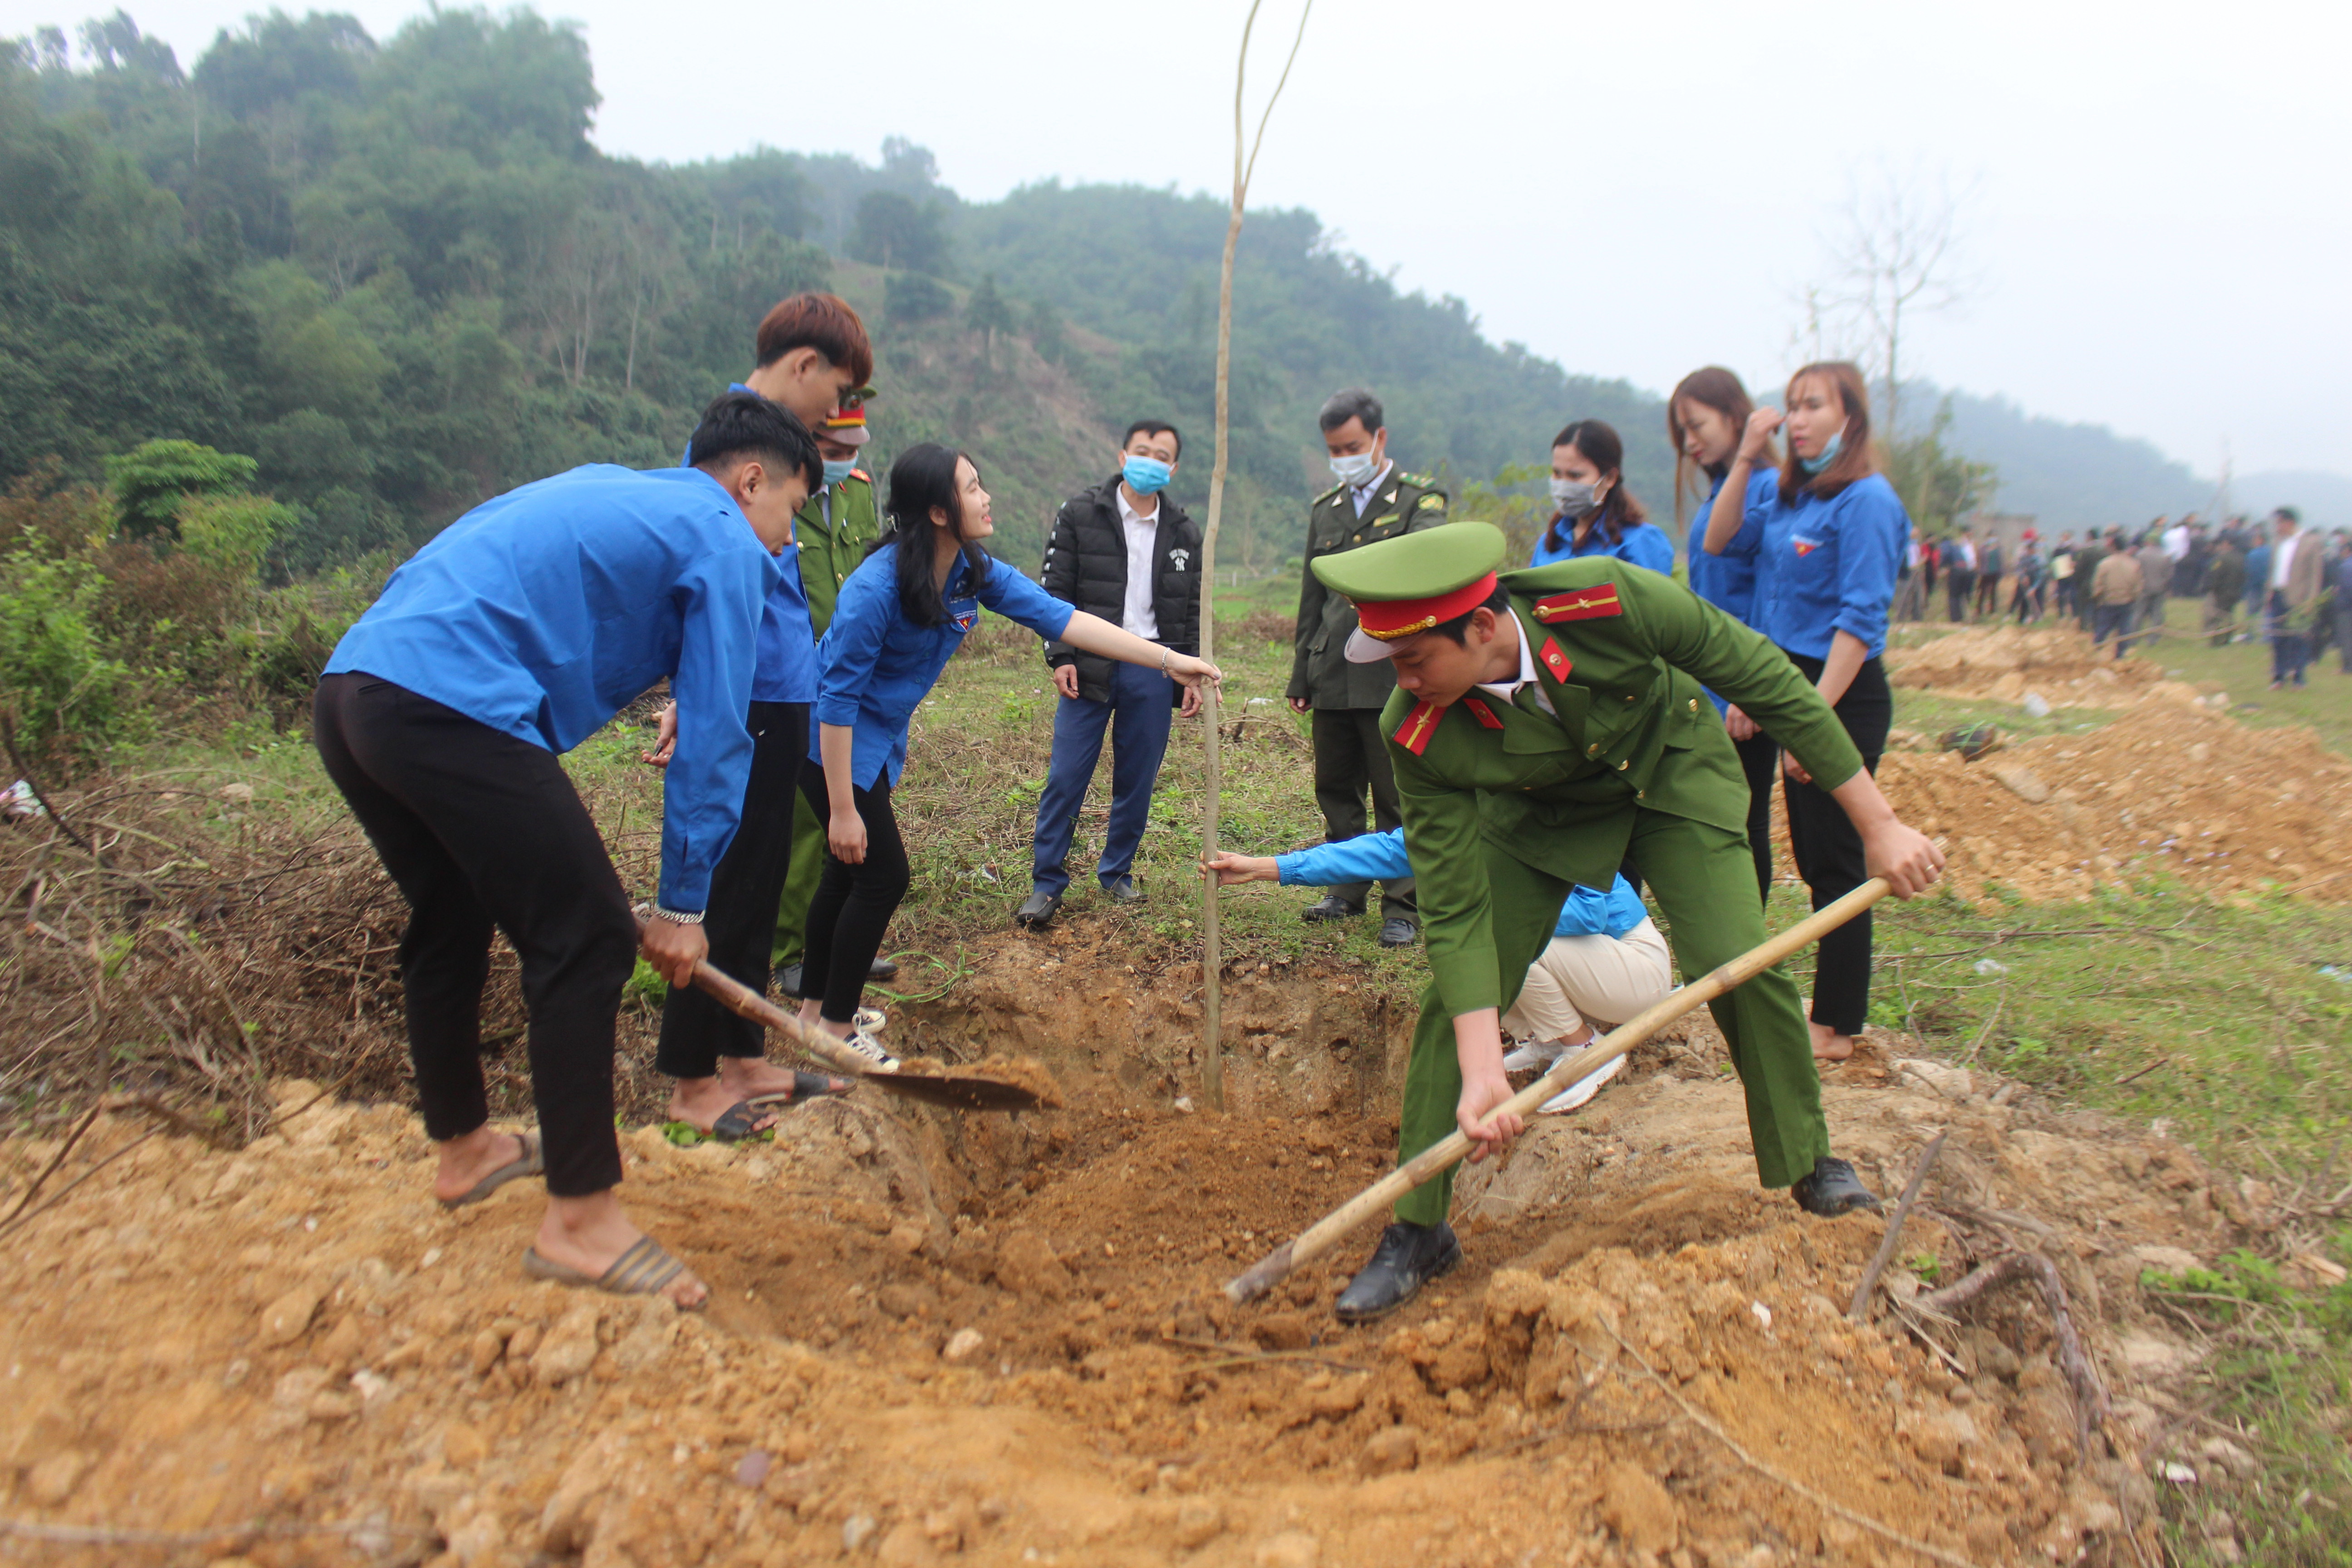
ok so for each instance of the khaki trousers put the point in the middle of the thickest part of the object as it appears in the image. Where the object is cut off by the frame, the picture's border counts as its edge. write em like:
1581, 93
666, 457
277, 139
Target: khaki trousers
1598, 980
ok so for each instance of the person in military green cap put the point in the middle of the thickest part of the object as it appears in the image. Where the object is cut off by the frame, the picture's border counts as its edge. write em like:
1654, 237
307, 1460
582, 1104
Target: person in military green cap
1373, 500
1545, 722
837, 531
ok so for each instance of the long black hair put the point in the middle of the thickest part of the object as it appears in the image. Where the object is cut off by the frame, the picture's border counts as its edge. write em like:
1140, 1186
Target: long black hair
1598, 440
925, 477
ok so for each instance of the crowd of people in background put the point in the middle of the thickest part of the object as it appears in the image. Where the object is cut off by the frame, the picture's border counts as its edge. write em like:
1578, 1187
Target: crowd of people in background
2251, 578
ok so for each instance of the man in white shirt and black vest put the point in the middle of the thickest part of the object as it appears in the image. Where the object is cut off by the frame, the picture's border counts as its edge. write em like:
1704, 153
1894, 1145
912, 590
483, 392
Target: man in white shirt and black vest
1125, 550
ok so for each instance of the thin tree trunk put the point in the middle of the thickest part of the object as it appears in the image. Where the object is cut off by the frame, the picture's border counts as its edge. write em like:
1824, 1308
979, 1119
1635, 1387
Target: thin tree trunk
1212, 1074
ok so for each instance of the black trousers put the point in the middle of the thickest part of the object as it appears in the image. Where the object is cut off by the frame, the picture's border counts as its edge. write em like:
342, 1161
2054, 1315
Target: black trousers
851, 912
1352, 758
741, 923
481, 829
1760, 759
1828, 850
1958, 586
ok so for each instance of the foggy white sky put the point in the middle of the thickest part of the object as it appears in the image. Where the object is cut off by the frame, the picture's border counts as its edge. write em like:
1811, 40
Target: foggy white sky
1634, 189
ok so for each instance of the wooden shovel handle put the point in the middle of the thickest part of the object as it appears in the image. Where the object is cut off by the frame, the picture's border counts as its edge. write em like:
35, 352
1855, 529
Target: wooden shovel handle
1321, 1237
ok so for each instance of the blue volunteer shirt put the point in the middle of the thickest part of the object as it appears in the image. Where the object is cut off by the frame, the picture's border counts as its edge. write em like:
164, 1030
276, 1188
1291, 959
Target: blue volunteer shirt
876, 663
1639, 543
1381, 856
787, 670
1728, 580
1829, 566
543, 612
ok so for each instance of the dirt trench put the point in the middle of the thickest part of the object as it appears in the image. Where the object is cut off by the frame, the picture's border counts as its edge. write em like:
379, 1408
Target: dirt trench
936, 1337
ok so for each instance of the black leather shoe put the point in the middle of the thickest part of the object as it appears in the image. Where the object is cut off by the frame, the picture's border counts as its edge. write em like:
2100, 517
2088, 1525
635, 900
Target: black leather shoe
1037, 910
1398, 932
881, 969
787, 980
1330, 907
1125, 891
1408, 1257
1832, 1189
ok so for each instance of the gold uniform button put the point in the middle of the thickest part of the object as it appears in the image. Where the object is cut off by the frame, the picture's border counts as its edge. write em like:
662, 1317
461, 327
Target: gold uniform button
1629, 697
1623, 765
1641, 795
1694, 704
1595, 750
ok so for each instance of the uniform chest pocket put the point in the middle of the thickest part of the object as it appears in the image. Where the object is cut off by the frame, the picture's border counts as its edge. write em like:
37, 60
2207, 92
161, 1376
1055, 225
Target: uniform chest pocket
962, 615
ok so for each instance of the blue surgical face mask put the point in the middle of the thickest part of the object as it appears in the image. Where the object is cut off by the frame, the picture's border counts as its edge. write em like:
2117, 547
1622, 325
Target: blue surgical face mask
836, 470
1146, 475
1354, 470
1829, 454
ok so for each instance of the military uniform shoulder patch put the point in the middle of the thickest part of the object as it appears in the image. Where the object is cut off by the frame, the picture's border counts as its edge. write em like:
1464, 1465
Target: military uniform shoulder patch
1327, 495
1579, 605
1429, 500
1418, 482
1555, 660
861, 474
1483, 714
1418, 727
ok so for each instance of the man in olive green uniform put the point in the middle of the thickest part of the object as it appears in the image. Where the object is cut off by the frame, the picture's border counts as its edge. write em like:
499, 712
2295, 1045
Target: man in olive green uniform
1545, 723
1373, 500
834, 531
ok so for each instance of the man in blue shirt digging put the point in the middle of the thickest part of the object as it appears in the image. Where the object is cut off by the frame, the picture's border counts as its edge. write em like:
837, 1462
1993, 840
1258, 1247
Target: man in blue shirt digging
510, 638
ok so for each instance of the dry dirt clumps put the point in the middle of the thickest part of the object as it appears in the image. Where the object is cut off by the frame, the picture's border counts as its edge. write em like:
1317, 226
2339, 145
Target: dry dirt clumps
2167, 787
937, 1336
2003, 663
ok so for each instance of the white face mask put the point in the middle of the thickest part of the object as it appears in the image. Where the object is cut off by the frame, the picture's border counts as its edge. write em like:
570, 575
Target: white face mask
1574, 497
1355, 470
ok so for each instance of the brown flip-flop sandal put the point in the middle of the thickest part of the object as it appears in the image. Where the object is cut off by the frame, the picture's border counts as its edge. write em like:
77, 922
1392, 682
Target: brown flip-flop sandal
643, 1271
530, 1163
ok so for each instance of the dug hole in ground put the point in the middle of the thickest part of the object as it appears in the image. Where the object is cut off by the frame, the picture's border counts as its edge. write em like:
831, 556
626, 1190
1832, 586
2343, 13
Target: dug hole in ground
936, 1336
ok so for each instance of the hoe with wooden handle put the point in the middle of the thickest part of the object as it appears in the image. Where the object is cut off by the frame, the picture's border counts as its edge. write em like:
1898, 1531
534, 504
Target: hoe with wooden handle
968, 1091
1320, 1237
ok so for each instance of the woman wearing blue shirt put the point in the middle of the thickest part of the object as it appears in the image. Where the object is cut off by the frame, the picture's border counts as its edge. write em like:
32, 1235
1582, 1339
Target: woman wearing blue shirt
1606, 962
1833, 535
899, 619
1594, 513
1705, 419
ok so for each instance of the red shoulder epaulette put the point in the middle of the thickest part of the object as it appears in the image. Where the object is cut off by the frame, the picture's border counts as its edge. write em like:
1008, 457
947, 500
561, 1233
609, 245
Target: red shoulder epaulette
1418, 727
1480, 711
1558, 662
1581, 604
861, 474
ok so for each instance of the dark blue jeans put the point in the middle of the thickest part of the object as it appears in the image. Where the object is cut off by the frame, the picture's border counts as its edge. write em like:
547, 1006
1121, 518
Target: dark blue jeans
1136, 717
2290, 651
2113, 622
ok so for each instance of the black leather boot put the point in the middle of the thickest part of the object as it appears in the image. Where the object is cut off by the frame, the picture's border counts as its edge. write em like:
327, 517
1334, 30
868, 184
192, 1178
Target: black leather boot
1832, 1189
1408, 1257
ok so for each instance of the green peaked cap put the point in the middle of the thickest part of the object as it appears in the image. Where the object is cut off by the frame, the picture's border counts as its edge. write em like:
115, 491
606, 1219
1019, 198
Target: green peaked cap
1414, 565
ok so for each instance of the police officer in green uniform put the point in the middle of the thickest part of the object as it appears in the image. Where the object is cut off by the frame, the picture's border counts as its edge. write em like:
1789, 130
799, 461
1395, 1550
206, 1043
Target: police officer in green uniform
1545, 722
834, 531
1372, 501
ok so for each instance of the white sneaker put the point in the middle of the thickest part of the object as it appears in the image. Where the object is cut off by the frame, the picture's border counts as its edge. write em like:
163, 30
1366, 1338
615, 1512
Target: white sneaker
1535, 1056
865, 1045
1582, 1090
871, 1020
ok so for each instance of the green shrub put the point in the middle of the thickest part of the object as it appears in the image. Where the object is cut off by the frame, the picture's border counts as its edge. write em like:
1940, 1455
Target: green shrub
65, 693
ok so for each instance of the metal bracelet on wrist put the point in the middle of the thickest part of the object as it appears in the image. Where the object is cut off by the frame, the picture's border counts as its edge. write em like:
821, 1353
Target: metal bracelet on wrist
677, 918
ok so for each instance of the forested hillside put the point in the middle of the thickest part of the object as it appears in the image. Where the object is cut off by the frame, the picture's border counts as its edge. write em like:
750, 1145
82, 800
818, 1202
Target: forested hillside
399, 276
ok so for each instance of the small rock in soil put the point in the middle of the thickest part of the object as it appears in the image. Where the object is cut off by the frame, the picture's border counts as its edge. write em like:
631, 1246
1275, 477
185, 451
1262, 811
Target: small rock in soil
1392, 1448
1638, 1509
284, 1320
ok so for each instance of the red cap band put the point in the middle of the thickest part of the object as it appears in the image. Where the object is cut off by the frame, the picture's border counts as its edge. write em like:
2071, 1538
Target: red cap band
1389, 619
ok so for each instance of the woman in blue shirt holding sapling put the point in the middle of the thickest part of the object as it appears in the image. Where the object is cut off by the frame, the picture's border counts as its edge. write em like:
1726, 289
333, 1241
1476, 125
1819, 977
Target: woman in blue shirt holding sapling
1595, 514
901, 618
1705, 419
1833, 536
1606, 962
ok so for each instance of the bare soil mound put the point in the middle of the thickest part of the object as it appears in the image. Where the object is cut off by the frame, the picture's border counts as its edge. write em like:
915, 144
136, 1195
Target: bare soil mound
2003, 663
2167, 787
1001, 1339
